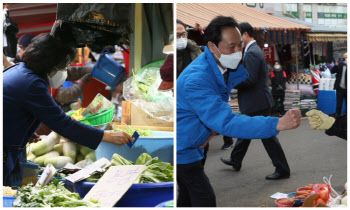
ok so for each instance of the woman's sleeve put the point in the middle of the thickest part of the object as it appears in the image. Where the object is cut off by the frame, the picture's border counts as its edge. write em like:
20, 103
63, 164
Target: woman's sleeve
41, 105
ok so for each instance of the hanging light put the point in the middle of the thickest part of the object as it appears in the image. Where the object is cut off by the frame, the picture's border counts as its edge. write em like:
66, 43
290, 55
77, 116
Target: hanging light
266, 45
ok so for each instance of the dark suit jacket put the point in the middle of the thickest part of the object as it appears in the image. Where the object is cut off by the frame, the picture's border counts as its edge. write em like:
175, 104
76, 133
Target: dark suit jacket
253, 93
339, 70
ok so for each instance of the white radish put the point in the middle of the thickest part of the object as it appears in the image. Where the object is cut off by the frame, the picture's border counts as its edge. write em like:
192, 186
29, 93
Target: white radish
70, 150
91, 156
58, 162
344, 201
85, 150
58, 148
80, 157
46, 145
31, 157
41, 159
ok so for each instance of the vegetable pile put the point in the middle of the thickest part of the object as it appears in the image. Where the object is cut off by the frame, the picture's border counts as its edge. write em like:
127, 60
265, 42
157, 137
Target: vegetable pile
131, 131
58, 152
77, 114
156, 171
52, 195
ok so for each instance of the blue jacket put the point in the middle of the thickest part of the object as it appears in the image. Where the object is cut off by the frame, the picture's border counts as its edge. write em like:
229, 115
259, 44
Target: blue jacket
202, 107
27, 103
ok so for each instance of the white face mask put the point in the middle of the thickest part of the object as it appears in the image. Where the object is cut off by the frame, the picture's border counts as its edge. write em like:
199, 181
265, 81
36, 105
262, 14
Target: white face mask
181, 43
58, 79
277, 66
230, 61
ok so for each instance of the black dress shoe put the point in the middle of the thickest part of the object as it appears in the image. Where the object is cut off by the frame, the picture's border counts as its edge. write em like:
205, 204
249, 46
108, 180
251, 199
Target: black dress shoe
276, 176
230, 163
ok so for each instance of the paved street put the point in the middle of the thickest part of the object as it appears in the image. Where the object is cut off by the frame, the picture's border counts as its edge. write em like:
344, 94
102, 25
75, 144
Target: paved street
311, 156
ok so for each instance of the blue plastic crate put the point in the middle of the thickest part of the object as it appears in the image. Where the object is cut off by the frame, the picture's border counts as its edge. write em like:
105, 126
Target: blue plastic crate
163, 204
327, 101
7, 201
160, 145
138, 195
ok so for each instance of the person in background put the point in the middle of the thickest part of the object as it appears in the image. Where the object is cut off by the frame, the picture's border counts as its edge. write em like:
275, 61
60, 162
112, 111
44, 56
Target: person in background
23, 43
27, 102
186, 49
278, 83
203, 90
255, 99
167, 73
341, 82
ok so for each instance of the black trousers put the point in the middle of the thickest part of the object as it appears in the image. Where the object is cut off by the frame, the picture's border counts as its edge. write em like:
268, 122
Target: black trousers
194, 186
272, 147
341, 95
275, 99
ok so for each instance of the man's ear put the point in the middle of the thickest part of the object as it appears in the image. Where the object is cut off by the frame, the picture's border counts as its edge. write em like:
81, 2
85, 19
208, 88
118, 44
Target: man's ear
211, 47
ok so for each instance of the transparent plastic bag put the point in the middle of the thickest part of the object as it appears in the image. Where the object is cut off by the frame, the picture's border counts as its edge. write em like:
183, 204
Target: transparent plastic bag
142, 90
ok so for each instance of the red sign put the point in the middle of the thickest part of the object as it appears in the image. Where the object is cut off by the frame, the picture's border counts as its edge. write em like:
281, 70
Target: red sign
269, 53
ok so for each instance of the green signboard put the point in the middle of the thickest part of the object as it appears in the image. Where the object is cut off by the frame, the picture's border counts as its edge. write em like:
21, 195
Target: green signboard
330, 15
295, 14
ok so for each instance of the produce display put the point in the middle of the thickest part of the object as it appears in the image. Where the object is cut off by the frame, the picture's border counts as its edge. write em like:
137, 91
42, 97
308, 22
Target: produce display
131, 131
77, 114
156, 171
58, 152
7, 191
52, 195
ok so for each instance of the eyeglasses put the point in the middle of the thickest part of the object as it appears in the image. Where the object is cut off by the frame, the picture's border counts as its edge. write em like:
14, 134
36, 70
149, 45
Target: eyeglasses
181, 35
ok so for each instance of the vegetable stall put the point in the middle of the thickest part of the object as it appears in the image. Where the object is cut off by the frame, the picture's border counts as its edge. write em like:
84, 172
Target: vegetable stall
50, 165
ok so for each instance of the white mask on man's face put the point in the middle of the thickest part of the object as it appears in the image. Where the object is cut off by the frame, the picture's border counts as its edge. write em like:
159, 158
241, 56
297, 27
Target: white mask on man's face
230, 61
181, 43
58, 79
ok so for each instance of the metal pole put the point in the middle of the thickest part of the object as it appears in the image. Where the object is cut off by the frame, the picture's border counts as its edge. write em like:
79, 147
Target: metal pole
297, 65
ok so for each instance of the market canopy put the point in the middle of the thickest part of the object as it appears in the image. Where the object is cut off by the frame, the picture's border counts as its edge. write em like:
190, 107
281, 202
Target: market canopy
320, 33
326, 37
33, 18
202, 14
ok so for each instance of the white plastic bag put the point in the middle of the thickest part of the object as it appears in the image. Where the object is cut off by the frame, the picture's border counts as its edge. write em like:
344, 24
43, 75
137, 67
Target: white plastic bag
142, 90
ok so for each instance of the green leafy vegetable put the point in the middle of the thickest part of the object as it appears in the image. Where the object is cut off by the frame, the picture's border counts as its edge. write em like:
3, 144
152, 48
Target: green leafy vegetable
156, 171
52, 195
131, 131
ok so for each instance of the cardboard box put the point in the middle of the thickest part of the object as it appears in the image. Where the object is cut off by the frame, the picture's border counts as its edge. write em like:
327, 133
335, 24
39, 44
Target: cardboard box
133, 115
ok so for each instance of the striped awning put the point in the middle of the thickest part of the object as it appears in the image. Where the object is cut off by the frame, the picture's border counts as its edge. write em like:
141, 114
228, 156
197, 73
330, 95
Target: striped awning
201, 14
326, 37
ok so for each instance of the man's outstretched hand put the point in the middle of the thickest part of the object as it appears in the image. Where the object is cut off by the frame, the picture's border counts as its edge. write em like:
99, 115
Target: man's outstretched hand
290, 120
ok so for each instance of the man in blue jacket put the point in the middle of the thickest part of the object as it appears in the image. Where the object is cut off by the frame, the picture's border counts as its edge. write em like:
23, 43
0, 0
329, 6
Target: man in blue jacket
202, 93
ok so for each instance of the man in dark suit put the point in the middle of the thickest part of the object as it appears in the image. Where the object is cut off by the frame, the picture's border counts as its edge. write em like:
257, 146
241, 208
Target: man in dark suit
340, 85
255, 99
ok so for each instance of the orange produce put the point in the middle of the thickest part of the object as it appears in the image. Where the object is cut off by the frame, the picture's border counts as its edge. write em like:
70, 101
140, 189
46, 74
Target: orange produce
286, 201
324, 195
303, 192
320, 200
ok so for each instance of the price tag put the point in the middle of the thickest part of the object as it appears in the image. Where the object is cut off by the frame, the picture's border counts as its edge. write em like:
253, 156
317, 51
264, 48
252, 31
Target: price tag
89, 170
47, 175
114, 184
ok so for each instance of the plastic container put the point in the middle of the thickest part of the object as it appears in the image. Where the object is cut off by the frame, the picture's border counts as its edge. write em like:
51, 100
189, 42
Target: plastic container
281, 205
7, 201
138, 195
160, 145
99, 119
298, 202
30, 172
327, 102
108, 71
165, 204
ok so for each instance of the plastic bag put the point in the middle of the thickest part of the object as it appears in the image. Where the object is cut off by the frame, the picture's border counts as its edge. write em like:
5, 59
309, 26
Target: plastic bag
142, 90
